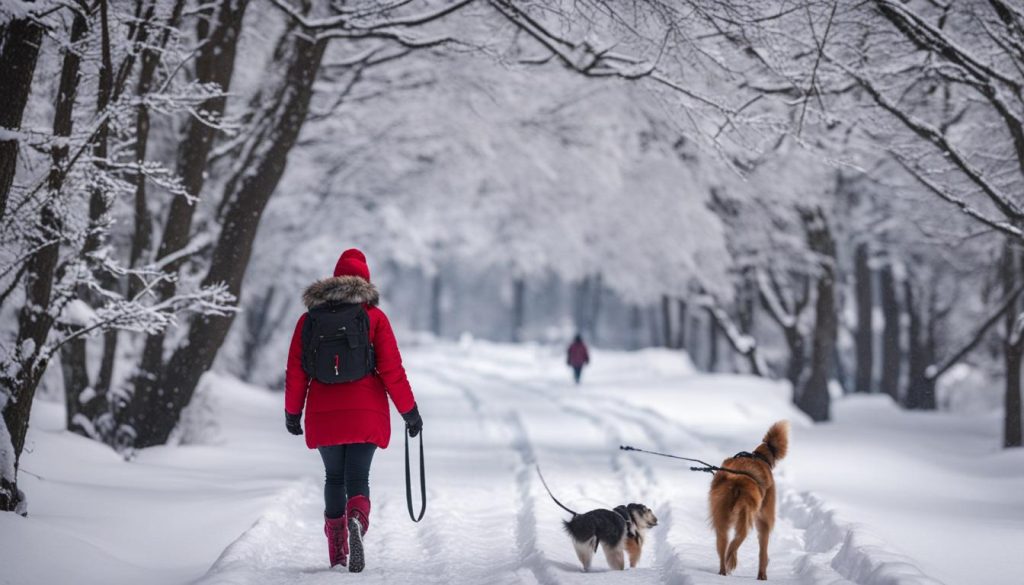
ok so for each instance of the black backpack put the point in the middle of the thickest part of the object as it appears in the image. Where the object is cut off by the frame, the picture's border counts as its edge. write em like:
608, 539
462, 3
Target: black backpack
336, 344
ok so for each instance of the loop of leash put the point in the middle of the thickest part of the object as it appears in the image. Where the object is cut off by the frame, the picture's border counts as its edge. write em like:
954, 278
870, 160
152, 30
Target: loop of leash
707, 467
408, 481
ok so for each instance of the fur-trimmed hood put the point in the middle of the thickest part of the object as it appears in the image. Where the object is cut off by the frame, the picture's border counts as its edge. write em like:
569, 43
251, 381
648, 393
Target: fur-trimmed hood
340, 289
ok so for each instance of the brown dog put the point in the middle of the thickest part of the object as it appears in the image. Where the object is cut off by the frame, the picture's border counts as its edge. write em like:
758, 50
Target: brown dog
739, 500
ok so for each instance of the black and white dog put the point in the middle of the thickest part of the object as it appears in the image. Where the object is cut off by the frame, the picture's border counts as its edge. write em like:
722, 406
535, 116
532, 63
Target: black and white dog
617, 532
639, 520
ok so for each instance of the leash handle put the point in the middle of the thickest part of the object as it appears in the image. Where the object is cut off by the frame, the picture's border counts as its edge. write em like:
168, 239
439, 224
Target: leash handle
408, 481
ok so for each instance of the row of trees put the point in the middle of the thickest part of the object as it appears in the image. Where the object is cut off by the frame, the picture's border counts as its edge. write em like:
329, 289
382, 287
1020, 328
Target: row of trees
86, 248
139, 208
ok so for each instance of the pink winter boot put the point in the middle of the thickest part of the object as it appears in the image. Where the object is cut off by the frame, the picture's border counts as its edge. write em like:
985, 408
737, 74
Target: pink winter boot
358, 512
336, 530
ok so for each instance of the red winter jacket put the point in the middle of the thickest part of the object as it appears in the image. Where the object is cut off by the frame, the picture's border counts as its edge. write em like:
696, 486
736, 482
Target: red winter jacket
578, 355
353, 412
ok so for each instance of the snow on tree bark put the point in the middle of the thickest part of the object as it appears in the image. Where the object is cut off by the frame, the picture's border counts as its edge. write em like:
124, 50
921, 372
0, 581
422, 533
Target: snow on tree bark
19, 50
284, 105
218, 30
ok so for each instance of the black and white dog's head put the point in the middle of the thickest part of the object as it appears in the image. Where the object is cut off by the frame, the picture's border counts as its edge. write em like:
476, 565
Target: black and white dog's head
640, 516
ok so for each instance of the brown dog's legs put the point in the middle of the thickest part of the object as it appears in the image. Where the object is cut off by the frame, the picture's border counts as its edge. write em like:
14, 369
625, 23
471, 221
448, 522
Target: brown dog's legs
722, 540
742, 527
764, 530
633, 550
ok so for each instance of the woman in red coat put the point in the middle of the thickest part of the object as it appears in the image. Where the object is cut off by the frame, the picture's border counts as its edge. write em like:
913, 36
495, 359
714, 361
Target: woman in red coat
346, 422
577, 357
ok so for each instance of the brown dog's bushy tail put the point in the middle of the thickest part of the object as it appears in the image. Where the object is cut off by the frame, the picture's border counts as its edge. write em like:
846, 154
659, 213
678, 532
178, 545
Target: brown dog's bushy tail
777, 439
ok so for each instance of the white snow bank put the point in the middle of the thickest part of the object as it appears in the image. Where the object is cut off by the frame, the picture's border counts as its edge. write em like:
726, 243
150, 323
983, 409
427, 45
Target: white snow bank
877, 497
966, 389
160, 519
935, 487
854, 553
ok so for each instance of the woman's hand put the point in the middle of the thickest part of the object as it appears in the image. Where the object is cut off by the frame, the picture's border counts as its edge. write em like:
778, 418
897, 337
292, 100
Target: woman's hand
413, 422
293, 422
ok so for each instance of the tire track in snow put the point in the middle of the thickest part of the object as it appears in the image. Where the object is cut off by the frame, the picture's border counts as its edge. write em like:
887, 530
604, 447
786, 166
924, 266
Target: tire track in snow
476, 550
830, 551
528, 552
526, 518
811, 553
669, 563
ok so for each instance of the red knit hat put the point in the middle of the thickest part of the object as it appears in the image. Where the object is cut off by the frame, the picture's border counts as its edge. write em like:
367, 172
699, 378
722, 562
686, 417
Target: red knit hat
352, 263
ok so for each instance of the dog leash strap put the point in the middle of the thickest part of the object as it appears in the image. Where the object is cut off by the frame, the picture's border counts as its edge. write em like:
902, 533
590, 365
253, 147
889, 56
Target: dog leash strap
707, 467
408, 481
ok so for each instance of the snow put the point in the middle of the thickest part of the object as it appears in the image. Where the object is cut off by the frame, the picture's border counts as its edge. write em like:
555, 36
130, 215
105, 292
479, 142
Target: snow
912, 499
78, 313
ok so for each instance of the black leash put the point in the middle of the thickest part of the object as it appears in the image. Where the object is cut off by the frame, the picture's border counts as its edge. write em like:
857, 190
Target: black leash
707, 467
560, 504
408, 481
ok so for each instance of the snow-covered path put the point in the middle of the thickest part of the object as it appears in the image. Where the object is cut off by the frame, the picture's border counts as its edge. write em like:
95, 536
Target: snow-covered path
877, 497
488, 421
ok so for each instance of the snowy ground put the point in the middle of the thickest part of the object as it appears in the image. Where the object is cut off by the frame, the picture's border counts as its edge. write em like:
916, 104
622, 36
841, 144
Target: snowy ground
878, 497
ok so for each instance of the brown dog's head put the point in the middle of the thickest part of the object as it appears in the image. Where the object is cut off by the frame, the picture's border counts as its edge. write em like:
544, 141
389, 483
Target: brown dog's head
641, 516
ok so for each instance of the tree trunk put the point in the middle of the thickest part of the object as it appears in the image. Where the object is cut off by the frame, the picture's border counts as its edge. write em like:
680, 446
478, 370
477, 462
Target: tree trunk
435, 304
891, 353
788, 319
142, 234
34, 324
218, 28
259, 327
76, 381
865, 309
681, 323
151, 58
1013, 436
595, 307
581, 305
518, 308
712, 345
19, 50
746, 297
666, 320
273, 132
635, 324
654, 326
694, 345
1013, 350
920, 392
34, 318
797, 355
814, 397
931, 350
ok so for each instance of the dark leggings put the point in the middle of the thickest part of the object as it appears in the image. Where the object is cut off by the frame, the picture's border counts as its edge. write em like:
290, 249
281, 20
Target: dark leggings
348, 474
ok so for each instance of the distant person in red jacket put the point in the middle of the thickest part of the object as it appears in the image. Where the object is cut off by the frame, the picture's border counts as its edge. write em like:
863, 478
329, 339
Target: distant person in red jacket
578, 357
342, 367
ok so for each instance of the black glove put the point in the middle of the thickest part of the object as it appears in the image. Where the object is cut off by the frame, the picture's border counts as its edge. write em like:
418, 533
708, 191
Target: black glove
413, 422
293, 423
